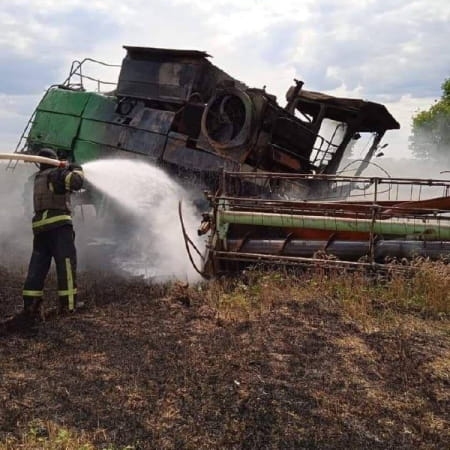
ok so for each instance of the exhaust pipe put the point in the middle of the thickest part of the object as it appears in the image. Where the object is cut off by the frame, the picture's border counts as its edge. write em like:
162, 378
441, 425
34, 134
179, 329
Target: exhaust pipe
33, 158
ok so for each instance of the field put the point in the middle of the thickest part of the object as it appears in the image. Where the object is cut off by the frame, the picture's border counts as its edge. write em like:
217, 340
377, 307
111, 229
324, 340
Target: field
268, 360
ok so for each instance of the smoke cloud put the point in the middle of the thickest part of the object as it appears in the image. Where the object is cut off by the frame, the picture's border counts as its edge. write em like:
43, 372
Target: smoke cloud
15, 216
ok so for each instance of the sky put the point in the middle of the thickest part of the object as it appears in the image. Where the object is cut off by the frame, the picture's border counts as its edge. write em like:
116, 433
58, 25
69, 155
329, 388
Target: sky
389, 51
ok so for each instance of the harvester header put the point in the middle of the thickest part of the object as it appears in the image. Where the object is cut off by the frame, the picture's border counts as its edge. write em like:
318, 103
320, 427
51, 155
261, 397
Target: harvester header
254, 221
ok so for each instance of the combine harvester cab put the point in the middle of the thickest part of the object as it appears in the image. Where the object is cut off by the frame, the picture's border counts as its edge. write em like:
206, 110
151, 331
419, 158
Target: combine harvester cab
176, 109
381, 219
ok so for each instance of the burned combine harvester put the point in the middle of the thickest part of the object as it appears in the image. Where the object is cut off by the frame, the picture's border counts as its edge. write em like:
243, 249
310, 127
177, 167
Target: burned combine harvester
177, 110
272, 172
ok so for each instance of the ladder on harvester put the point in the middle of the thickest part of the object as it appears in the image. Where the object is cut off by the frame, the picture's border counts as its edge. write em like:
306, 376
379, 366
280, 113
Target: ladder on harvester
22, 144
75, 71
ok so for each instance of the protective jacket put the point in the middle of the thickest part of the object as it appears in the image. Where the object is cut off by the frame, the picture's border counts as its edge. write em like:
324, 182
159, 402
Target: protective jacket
52, 188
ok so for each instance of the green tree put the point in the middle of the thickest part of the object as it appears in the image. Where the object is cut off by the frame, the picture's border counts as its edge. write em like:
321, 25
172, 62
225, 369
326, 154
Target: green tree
431, 129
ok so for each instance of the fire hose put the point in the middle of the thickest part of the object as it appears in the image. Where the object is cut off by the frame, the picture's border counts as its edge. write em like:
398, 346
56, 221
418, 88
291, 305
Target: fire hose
188, 241
33, 159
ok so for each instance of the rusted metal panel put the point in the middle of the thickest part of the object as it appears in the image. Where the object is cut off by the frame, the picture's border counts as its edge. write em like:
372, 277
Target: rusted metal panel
168, 75
194, 159
376, 116
154, 120
294, 136
285, 160
123, 138
141, 141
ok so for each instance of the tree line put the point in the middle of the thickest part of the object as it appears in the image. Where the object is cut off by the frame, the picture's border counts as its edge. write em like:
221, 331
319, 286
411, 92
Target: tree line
430, 137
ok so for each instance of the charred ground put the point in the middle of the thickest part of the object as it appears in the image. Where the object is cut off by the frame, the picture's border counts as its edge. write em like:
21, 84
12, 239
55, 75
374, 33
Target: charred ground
266, 361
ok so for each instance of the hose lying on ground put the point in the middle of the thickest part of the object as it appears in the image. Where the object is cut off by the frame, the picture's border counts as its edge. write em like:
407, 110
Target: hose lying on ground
33, 158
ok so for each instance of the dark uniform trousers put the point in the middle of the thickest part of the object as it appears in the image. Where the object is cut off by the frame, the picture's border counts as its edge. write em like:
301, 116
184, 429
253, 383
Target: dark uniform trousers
57, 243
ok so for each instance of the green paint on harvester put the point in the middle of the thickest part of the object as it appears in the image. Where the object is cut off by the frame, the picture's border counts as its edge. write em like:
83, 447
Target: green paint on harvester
63, 121
431, 231
54, 130
65, 102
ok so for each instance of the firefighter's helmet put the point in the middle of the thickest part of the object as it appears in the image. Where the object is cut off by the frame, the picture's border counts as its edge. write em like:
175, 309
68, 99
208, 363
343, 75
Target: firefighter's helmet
47, 153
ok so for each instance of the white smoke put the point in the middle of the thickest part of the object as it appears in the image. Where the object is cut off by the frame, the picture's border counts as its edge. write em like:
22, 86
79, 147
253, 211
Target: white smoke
398, 168
16, 211
432, 162
411, 168
146, 236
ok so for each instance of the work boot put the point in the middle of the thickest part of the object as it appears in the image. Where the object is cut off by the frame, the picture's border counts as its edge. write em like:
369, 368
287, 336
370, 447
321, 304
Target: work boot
26, 320
32, 309
17, 323
64, 308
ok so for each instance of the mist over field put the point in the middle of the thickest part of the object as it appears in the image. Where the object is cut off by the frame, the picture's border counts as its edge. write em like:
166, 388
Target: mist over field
15, 217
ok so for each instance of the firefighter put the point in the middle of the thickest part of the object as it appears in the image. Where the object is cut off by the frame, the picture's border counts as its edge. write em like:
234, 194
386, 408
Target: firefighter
53, 236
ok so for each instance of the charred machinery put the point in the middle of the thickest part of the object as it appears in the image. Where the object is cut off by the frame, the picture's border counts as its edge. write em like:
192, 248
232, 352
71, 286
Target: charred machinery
381, 220
273, 173
181, 112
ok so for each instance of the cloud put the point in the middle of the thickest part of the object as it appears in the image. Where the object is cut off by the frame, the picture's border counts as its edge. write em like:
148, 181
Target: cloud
37, 44
385, 51
15, 111
382, 51
19, 75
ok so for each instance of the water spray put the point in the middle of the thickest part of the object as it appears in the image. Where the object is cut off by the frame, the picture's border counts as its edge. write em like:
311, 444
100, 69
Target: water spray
141, 219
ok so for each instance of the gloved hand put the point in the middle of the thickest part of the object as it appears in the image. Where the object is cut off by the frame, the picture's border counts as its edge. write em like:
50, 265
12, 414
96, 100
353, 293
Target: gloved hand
74, 166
